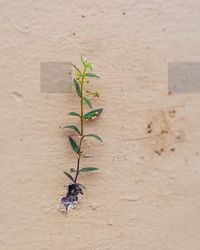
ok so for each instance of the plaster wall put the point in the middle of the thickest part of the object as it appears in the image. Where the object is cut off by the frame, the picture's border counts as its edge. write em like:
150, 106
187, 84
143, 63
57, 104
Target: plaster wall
146, 195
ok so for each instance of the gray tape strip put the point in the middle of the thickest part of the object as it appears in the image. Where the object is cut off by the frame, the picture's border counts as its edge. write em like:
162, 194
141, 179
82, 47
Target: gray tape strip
55, 77
184, 77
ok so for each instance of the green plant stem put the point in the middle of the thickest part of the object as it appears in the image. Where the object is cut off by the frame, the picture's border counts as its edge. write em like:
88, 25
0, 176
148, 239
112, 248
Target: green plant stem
82, 136
78, 161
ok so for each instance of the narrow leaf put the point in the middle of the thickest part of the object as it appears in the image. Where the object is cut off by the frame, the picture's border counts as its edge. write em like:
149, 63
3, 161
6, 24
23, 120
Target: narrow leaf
74, 114
87, 156
83, 61
88, 169
90, 66
86, 63
87, 101
95, 136
68, 175
91, 75
73, 128
92, 113
74, 145
78, 91
76, 68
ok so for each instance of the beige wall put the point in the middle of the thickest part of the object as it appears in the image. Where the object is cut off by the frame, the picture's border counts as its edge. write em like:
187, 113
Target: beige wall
139, 199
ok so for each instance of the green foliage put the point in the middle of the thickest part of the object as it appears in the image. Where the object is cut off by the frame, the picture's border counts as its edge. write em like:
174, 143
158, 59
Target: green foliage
86, 63
88, 169
95, 94
95, 136
87, 156
83, 60
87, 101
81, 77
68, 175
73, 114
74, 145
90, 66
93, 113
73, 128
77, 69
78, 91
91, 75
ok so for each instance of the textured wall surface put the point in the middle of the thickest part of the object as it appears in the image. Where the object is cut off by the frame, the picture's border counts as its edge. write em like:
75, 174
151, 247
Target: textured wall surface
146, 195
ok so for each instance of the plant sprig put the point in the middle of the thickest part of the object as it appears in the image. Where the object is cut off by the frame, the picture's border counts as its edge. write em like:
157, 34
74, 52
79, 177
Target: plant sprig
80, 78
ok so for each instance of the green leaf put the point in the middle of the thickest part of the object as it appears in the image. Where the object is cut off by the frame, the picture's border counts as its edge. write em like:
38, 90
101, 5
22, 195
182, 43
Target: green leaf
88, 169
74, 145
95, 136
86, 63
78, 91
87, 101
91, 75
72, 170
83, 61
87, 156
69, 176
74, 114
90, 66
73, 128
92, 113
76, 68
